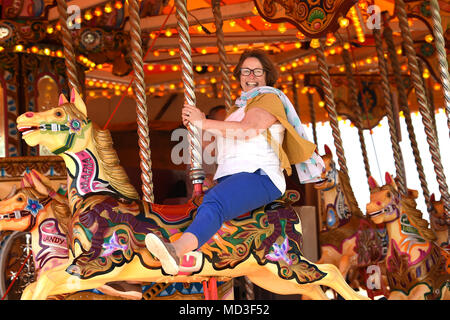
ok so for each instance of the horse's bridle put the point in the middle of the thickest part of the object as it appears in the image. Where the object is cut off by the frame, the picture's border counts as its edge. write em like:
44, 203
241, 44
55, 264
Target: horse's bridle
54, 127
19, 214
331, 176
389, 209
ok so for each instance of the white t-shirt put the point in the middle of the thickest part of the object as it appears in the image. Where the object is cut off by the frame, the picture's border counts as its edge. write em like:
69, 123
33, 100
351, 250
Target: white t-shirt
248, 155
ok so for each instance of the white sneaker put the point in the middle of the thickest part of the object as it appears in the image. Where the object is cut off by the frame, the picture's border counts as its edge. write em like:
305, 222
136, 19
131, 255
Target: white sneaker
165, 252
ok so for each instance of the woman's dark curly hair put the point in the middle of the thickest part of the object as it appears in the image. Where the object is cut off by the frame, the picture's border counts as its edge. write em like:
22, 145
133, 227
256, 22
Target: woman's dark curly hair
268, 66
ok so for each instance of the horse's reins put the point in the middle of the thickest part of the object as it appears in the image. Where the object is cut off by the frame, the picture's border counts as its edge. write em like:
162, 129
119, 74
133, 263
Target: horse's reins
389, 209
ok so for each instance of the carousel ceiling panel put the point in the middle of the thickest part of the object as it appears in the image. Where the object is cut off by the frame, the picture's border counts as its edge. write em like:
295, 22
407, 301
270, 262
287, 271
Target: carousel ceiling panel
53, 13
200, 15
103, 46
313, 18
232, 38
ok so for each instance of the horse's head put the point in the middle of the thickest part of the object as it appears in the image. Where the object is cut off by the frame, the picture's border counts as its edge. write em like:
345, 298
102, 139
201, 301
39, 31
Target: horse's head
21, 209
384, 201
438, 207
63, 128
19, 212
438, 218
329, 173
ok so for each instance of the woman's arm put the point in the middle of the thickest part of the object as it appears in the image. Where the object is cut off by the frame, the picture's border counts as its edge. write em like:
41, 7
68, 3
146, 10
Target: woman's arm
255, 121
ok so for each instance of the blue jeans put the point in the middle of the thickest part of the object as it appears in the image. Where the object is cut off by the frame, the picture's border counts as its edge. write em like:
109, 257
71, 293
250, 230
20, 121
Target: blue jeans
233, 196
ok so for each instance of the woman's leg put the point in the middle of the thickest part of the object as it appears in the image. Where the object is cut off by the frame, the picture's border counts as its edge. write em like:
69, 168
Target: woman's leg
232, 197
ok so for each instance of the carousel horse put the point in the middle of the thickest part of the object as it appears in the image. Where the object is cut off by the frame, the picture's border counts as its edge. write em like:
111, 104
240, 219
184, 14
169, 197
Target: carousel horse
347, 238
48, 231
438, 222
38, 209
109, 224
416, 266
28, 210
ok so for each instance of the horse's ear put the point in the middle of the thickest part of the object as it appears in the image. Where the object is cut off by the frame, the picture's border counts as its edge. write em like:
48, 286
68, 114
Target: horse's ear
413, 193
26, 181
76, 99
41, 182
372, 183
389, 179
327, 150
62, 99
36, 175
433, 198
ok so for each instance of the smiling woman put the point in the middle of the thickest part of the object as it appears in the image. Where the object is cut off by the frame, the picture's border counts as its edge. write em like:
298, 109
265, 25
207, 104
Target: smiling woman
266, 138
251, 72
256, 59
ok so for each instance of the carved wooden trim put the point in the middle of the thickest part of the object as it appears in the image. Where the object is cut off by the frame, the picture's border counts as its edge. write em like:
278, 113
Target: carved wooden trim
313, 18
13, 168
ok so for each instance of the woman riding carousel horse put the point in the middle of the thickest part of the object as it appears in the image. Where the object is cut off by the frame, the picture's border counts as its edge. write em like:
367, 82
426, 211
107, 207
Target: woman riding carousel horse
109, 231
261, 137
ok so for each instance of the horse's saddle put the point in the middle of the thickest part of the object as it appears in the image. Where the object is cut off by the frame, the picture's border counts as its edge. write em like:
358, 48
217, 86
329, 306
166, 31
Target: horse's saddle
179, 213
174, 214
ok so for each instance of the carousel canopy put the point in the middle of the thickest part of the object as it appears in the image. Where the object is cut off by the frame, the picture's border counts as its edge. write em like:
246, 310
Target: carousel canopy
287, 31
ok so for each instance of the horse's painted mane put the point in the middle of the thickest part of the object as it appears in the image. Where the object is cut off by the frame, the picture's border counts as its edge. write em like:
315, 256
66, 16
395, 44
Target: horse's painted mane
109, 160
344, 181
61, 210
415, 217
409, 207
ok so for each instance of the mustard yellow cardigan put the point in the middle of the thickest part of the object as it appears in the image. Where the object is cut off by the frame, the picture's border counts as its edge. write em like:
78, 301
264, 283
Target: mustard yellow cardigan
294, 149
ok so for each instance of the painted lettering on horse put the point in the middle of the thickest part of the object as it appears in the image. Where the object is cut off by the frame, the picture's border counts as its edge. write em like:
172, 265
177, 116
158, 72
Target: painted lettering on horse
52, 241
87, 178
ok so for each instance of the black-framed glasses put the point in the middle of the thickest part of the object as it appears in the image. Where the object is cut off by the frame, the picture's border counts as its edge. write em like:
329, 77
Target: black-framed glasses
258, 72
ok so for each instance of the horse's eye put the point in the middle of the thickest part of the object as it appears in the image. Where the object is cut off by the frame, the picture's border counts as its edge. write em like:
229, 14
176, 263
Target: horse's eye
58, 114
20, 199
388, 195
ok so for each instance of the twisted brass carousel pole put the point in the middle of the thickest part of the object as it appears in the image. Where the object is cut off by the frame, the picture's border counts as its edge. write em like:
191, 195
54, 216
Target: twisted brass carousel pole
442, 55
398, 157
331, 107
312, 113
353, 90
141, 103
197, 174
421, 98
222, 54
403, 101
69, 51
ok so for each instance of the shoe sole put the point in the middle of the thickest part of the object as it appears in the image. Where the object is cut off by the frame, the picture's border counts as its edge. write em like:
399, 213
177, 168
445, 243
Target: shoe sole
158, 249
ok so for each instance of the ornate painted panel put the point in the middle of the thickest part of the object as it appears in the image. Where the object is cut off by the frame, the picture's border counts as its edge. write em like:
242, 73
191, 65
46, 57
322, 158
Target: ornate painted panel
9, 72
370, 98
16, 9
28, 82
314, 18
43, 79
